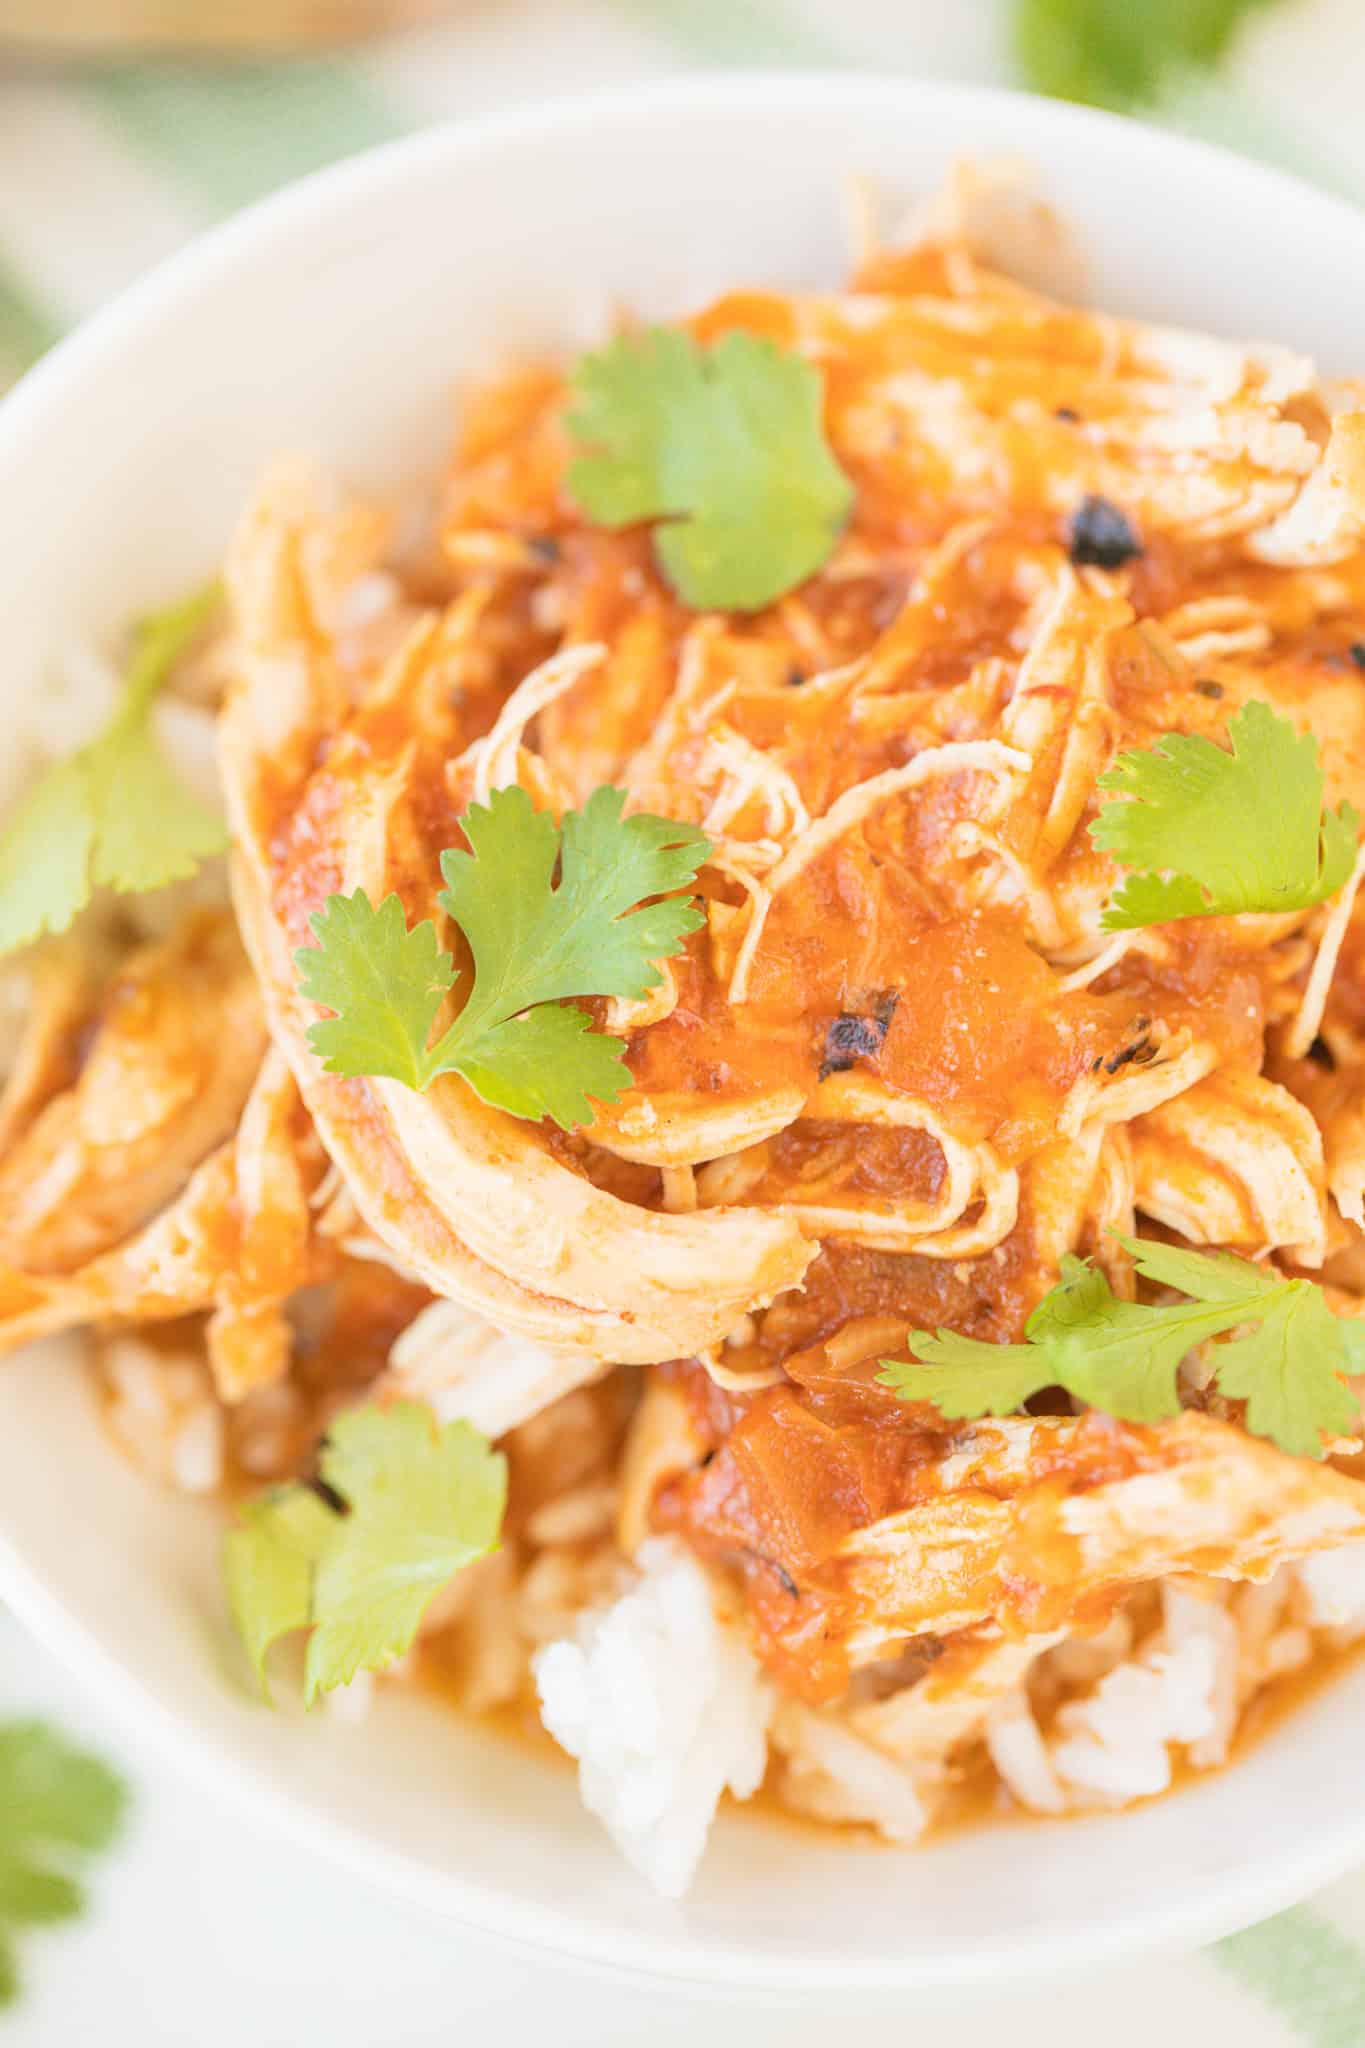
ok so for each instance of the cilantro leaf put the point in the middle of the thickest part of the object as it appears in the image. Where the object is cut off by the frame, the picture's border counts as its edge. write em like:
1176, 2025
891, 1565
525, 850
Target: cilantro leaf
625, 392
423, 1504
547, 1062
549, 912
113, 813
45, 853
58, 1805
1080, 1336
149, 829
1283, 1351
385, 983
1219, 832
1287, 1367
726, 445
1110, 53
965, 1378
536, 943
268, 1563
1287, 1370
1208, 1276
1106, 1351
418, 1504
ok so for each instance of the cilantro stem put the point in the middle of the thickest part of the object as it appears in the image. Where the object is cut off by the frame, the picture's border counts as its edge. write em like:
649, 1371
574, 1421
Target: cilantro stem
161, 642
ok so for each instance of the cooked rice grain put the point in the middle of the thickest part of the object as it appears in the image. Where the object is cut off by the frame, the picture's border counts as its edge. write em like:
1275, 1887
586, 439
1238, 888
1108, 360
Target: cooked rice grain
665, 1708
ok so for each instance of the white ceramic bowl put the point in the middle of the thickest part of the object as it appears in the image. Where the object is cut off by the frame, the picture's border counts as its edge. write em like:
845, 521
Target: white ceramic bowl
336, 319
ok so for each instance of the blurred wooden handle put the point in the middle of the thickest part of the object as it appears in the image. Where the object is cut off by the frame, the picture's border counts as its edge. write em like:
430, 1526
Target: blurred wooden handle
58, 26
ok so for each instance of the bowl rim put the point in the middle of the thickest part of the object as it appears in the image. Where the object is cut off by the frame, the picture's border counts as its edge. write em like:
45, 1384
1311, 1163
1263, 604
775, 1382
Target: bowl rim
280, 214
1164, 1924
1161, 1922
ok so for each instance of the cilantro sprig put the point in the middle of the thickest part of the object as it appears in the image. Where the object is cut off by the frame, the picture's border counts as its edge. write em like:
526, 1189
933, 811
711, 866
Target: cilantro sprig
113, 814
536, 942
1113, 54
725, 446
417, 1504
1217, 831
58, 1807
1285, 1362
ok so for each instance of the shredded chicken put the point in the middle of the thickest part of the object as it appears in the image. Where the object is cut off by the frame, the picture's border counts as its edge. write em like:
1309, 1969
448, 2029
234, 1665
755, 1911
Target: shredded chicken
902, 1069
1212, 1499
236, 1241
163, 1081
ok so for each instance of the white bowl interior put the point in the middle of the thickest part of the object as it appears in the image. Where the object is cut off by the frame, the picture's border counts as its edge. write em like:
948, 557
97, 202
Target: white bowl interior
337, 321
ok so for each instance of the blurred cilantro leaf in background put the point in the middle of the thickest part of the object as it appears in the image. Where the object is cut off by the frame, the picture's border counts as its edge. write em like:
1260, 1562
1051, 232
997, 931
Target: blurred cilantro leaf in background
1122, 53
58, 1807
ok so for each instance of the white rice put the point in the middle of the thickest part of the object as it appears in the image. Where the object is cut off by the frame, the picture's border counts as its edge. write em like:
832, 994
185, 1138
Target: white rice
268, 1424
189, 736
495, 1670
1188, 1618
70, 710
1115, 1745
665, 1708
831, 1774
582, 1516
197, 1450
1332, 1587
77, 702
1015, 1745
163, 1410
466, 1371
1181, 1692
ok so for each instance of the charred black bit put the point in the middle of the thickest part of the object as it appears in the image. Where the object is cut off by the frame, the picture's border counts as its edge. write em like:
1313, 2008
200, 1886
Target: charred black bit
1139, 1054
1048, 1401
1138, 1051
545, 547
748, 1555
1207, 687
1358, 653
329, 1496
1101, 536
1321, 1054
852, 1037
780, 1573
895, 1674
794, 678
1067, 413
